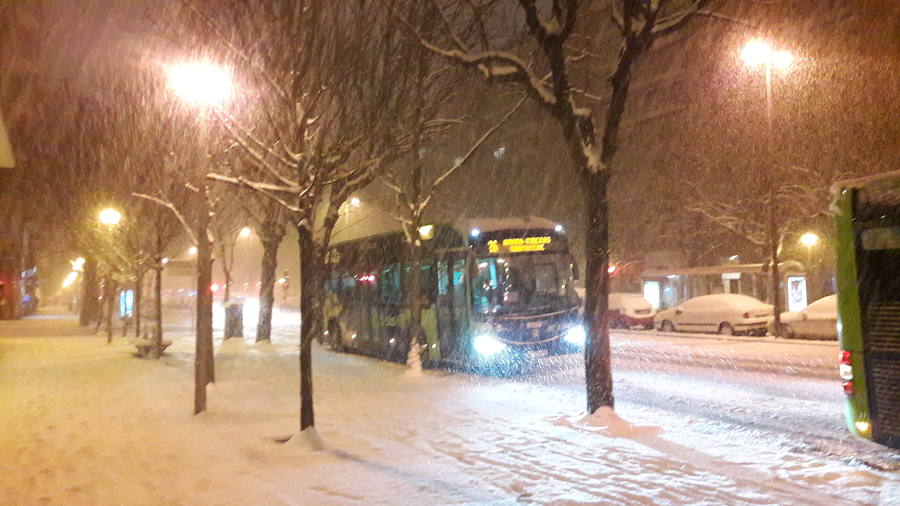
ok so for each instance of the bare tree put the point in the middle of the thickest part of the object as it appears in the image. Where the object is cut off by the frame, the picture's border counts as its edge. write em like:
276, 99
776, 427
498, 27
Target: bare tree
268, 217
323, 125
546, 77
414, 192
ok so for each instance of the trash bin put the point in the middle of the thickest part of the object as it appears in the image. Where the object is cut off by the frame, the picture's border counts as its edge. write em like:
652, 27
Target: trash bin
234, 319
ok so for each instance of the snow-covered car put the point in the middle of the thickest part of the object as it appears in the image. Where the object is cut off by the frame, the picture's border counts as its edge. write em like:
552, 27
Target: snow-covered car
818, 320
629, 310
724, 313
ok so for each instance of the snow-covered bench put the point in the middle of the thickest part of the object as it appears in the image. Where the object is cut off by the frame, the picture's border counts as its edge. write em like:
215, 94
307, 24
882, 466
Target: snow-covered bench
144, 346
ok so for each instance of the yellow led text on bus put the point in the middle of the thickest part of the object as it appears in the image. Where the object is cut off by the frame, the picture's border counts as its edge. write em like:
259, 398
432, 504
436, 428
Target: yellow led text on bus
519, 244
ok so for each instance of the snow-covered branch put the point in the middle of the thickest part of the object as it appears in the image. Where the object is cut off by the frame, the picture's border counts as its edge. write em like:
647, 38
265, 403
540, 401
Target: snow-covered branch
252, 145
171, 207
465, 158
496, 66
266, 189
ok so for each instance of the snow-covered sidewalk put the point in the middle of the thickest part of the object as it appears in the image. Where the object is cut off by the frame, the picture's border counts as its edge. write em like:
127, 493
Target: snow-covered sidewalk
86, 423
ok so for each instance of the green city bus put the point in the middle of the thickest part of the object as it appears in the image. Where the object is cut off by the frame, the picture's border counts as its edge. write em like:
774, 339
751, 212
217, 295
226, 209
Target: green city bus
867, 214
494, 291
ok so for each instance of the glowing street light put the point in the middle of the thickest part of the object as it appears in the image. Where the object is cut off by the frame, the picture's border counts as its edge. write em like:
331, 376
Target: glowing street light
809, 239
70, 279
192, 250
109, 216
245, 232
758, 52
200, 82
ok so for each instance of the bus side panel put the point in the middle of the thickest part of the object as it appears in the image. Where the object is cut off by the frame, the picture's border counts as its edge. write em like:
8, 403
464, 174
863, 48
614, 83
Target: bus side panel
850, 334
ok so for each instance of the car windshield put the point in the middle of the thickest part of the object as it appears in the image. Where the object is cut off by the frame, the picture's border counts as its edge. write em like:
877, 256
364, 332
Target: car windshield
525, 283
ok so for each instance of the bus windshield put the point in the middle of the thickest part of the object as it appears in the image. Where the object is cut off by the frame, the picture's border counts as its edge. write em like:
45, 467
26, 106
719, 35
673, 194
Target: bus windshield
524, 284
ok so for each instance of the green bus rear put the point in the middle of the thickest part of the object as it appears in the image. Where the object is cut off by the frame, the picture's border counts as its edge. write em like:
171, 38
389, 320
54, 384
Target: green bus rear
867, 217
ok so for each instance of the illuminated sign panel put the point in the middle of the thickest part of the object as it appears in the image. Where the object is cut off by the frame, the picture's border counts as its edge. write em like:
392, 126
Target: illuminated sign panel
519, 244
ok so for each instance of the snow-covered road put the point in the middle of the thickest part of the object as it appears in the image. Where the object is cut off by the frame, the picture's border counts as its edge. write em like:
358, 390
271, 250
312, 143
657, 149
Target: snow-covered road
763, 387
715, 423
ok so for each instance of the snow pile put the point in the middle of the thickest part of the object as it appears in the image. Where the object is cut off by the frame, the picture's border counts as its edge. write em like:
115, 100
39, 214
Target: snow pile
613, 425
307, 439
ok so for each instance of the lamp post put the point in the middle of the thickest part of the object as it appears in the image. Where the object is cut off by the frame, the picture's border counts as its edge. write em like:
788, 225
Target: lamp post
110, 218
203, 85
809, 240
756, 53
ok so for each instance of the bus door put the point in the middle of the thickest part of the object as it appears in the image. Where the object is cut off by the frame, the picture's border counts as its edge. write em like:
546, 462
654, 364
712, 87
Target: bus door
452, 307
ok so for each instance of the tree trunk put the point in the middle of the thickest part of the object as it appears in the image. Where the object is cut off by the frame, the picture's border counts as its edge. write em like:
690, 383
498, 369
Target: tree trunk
203, 358
775, 281
271, 240
138, 297
413, 359
597, 363
90, 294
311, 266
157, 309
110, 295
226, 271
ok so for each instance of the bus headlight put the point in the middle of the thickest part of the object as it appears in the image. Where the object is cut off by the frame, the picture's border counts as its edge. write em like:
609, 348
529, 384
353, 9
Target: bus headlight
487, 345
575, 335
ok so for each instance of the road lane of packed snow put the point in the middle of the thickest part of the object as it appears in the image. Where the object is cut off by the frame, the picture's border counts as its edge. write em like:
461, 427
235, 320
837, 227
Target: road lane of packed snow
86, 423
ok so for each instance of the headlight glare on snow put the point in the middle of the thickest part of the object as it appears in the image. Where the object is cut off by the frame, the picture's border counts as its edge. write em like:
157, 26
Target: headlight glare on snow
487, 345
575, 335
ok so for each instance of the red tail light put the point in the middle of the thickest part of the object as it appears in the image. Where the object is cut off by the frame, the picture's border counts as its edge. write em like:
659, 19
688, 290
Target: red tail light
846, 372
848, 387
746, 315
845, 357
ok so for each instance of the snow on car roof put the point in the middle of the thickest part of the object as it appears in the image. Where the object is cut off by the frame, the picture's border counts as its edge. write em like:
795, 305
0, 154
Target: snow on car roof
731, 299
828, 302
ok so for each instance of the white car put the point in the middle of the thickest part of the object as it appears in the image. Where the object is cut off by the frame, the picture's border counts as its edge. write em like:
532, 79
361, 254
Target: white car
629, 310
724, 313
818, 320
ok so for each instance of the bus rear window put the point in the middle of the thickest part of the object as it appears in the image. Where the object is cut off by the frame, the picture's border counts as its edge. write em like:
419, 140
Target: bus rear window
881, 238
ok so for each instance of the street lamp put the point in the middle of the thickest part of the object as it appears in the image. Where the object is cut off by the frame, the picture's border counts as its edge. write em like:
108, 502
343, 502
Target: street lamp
757, 52
200, 82
109, 216
245, 232
809, 239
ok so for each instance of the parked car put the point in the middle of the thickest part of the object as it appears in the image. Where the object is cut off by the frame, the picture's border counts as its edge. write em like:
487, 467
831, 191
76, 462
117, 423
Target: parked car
724, 313
629, 310
818, 320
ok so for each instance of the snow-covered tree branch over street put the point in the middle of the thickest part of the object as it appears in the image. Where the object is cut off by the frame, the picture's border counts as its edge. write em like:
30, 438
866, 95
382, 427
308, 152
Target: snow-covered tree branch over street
548, 81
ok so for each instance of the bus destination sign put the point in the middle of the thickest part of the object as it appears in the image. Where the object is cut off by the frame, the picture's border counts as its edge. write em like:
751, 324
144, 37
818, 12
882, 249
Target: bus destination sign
519, 244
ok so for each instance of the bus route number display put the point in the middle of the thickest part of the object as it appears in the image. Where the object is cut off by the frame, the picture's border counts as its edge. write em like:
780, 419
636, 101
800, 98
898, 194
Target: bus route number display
519, 244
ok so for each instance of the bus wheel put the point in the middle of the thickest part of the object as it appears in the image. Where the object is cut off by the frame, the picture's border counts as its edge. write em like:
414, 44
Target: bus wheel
726, 329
